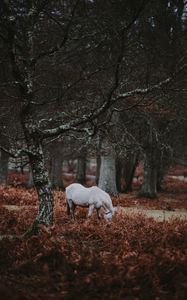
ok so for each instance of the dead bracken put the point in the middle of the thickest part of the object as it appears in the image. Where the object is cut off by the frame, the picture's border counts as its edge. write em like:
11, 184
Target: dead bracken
132, 257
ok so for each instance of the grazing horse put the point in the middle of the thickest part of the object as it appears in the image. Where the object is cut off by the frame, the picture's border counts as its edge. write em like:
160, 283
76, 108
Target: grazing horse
93, 197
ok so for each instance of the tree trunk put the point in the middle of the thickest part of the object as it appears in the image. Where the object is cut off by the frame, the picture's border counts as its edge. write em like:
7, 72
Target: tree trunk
151, 163
39, 171
149, 186
129, 169
56, 172
107, 178
30, 183
164, 163
98, 160
3, 167
118, 174
42, 185
160, 178
81, 170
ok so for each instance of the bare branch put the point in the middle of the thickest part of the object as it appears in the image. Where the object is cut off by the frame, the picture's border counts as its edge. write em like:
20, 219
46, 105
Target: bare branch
56, 48
152, 88
103, 108
16, 153
124, 30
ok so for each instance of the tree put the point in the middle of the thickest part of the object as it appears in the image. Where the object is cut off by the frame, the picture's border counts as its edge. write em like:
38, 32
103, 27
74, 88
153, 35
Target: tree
81, 169
165, 35
36, 51
129, 168
107, 174
3, 167
56, 166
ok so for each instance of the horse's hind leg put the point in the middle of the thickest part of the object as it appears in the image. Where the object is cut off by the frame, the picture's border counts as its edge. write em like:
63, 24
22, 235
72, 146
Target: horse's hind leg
70, 208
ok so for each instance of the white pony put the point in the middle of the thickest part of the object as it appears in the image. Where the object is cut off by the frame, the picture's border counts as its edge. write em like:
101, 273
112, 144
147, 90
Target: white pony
93, 197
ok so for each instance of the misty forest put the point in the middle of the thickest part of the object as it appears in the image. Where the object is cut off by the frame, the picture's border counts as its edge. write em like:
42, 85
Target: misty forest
93, 156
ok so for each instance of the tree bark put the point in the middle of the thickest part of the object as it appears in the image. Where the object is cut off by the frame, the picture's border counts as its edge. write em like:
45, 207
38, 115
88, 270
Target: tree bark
42, 185
160, 178
151, 163
56, 172
30, 183
39, 171
149, 186
118, 174
98, 160
3, 167
107, 179
129, 170
81, 170
164, 163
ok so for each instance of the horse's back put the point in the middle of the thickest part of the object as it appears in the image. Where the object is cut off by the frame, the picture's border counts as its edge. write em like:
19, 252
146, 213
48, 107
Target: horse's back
78, 194
73, 186
97, 192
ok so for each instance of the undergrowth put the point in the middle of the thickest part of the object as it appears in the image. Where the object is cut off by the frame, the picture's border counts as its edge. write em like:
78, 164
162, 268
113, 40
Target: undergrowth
131, 257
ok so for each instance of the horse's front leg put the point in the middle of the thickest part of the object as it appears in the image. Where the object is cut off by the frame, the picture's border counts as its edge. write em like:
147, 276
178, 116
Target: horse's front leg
90, 210
98, 216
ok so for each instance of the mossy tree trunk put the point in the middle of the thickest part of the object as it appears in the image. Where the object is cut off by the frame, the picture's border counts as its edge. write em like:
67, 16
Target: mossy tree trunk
42, 184
39, 171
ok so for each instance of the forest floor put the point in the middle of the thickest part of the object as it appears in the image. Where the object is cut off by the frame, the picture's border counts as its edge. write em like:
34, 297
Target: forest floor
135, 207
157, 214
134, 257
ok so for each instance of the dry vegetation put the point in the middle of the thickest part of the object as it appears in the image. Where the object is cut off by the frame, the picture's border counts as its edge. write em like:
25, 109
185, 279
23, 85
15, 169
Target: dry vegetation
129, 258
173, 196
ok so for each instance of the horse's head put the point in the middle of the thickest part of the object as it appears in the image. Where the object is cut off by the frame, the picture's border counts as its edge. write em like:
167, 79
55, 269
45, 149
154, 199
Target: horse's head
108, 214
